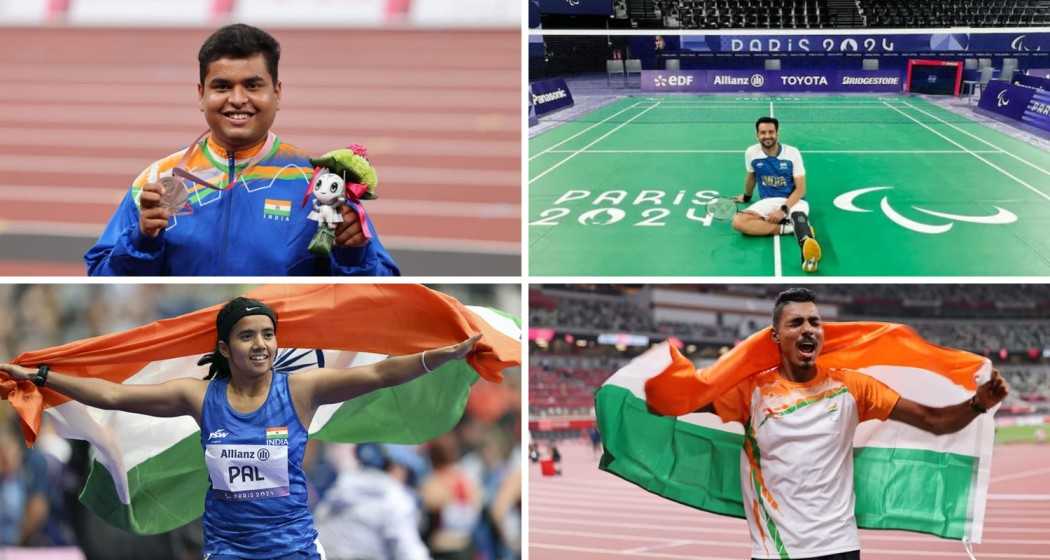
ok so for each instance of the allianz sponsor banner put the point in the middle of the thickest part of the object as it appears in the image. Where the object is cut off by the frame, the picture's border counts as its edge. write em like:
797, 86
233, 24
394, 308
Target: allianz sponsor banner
1037, 113
1004, 99
683, 80
871, 43
783, 81
550, 95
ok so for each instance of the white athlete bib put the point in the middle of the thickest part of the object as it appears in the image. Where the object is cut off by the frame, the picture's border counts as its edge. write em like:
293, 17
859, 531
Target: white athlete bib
248, 472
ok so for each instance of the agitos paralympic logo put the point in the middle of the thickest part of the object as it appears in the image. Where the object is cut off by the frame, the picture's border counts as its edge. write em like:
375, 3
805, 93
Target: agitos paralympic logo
845, 202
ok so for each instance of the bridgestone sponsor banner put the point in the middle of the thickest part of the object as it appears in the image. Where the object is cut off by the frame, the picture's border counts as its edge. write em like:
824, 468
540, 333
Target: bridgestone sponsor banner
887, 81
550, 95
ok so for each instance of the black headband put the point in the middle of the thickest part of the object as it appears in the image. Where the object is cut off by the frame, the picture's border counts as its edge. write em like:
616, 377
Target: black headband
237, 309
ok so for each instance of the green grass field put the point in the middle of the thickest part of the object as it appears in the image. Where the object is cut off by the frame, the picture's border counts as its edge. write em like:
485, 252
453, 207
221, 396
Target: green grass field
1022, 434
897, 187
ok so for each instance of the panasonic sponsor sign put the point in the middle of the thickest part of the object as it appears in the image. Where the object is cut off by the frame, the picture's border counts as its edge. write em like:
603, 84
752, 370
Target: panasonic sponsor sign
549, 95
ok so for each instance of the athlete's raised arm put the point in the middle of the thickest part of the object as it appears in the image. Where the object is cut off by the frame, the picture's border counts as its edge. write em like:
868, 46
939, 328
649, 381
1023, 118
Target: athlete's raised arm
329, 386
951, 419
178, 397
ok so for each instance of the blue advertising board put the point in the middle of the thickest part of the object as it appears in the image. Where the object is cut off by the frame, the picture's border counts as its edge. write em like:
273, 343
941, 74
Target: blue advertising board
1037, 113
874, 43
888, 81
549, 95
1034, 81
1004, 99
576, 7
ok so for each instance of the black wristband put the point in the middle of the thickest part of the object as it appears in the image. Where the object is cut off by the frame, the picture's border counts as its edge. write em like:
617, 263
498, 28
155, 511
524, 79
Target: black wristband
976, 406
745, 197
41, 375
784, 208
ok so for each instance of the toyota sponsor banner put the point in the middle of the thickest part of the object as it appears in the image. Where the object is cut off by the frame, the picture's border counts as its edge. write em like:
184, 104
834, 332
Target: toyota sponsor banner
783, 81
871, 43
550, 95
684, 80
1004, 99
1037, 113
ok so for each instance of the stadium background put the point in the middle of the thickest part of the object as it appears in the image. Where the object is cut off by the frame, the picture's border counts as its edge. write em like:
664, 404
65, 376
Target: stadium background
581, 334
96, 90
485, 444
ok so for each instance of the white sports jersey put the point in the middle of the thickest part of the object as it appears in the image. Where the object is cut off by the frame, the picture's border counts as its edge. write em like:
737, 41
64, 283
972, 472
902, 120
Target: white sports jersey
774, 175
796, 467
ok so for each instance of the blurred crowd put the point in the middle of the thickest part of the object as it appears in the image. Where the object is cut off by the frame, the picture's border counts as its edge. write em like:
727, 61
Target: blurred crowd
455, 497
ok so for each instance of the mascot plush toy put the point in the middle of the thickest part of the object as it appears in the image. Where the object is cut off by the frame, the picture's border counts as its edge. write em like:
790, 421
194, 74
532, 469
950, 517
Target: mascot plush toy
343, 176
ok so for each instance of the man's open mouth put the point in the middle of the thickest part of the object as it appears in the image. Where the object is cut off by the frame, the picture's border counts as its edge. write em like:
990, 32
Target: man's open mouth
807, 348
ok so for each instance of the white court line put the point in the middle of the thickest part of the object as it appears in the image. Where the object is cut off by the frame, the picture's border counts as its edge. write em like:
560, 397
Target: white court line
808, 152
990, 164
600, 138
1022, 474
777, 268
582, 131
533, 544
982, 140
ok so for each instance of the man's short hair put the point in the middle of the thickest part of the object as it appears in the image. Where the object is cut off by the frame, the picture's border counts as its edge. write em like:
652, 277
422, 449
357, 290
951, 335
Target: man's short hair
240, 41
791, 295
776, 123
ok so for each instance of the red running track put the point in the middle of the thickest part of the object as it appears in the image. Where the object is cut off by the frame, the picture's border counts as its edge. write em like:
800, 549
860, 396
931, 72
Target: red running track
83, 111
587, 514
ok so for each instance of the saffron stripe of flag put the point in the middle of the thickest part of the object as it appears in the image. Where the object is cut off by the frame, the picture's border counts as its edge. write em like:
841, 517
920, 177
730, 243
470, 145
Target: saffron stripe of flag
149, 474
904, 478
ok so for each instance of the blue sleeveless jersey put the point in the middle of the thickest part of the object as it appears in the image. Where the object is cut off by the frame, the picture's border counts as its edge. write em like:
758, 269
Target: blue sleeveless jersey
257, 504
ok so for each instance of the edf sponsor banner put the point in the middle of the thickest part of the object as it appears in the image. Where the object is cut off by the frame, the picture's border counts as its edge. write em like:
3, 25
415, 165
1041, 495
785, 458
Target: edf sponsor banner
1037, 113
783, 81
684, 80
1004, 99
577, 7
550, 95
870, 43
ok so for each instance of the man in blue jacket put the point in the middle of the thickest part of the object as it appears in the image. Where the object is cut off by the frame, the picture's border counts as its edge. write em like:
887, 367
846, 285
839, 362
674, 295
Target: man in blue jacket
244, 214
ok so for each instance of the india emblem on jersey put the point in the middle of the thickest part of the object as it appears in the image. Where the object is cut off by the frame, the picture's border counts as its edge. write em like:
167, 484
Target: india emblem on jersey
277, 436
275, 209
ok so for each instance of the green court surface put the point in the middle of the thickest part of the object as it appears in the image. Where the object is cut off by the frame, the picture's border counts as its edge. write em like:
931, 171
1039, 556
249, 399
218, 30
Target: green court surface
897, 186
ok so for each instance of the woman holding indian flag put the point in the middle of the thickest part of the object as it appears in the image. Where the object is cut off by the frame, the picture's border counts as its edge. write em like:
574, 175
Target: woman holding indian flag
253, 426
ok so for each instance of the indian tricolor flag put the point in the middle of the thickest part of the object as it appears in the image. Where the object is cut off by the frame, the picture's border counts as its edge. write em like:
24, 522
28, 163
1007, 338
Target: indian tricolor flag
149, 474
904, 478
276, 208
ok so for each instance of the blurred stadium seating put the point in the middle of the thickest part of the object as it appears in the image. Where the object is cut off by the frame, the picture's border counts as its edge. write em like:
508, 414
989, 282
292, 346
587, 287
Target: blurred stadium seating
815, 14
581, 334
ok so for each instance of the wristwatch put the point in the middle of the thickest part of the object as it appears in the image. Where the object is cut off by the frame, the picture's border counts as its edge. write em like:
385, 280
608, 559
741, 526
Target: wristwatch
784, 209
41, 375
976, 406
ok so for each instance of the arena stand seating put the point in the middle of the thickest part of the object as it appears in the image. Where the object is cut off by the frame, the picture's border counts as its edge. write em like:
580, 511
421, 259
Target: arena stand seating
816, 14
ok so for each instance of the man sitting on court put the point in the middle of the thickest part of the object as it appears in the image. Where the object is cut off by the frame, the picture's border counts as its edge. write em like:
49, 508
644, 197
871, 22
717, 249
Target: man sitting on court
781, 209
245, 215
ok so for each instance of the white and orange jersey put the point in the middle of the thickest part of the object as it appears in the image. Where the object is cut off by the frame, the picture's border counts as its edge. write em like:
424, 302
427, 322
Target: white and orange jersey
796, 466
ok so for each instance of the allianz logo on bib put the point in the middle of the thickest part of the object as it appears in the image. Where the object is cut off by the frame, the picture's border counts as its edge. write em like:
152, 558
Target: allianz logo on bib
218, 434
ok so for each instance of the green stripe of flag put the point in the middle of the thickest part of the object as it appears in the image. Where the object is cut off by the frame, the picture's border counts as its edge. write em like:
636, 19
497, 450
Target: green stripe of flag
700, 467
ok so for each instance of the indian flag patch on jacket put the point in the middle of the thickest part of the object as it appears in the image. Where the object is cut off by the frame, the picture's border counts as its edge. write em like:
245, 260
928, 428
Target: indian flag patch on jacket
277, 436
277, 209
